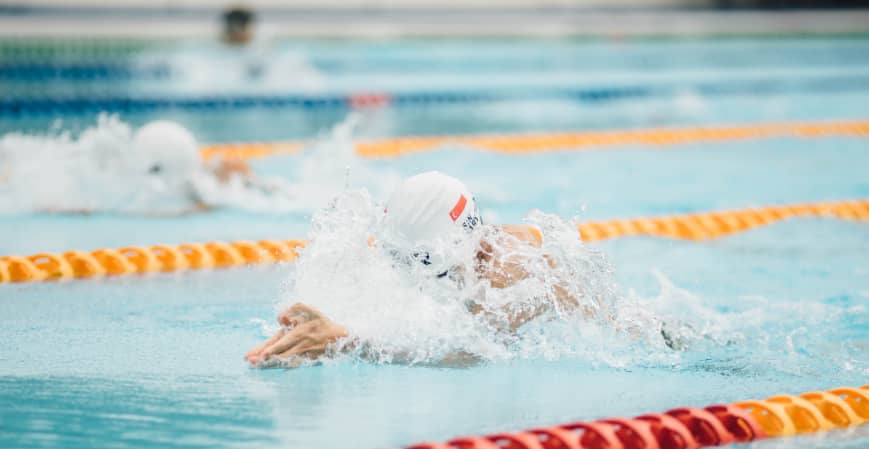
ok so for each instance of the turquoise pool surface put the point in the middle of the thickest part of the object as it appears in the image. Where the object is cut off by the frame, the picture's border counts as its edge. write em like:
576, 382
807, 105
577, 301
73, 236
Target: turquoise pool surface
156, 361
138, 362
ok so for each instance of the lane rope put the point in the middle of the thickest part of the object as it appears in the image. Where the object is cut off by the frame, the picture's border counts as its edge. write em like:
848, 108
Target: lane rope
82, 71
713, 225
140, 260
691, 427
53, 50
38, 105
194, 256
42, 105
534, 143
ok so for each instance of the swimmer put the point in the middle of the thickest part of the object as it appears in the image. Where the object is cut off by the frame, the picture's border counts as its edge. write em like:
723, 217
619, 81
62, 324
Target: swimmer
237, 26
424, 208
155, 171
170, 155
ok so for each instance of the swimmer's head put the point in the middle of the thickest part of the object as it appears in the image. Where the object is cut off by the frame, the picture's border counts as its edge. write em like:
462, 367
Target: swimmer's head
237, 24
168, 149
430, 206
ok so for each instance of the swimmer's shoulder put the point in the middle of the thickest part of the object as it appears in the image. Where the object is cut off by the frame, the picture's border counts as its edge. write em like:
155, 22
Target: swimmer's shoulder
528, 234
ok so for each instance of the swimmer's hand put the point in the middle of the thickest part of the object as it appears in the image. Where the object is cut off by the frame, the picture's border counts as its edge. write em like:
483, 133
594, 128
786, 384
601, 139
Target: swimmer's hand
306, 335
228, 167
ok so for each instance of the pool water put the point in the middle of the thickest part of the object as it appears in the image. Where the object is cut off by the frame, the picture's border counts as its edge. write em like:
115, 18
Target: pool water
156, 361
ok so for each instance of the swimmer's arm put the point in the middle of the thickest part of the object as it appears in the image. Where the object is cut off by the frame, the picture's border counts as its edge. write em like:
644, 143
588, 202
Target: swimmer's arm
198, 207
563, 298
511, 316
308, 335
83, 212
227, 167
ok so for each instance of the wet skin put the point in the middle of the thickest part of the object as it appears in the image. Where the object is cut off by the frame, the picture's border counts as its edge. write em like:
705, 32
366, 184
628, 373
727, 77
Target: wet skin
307, 334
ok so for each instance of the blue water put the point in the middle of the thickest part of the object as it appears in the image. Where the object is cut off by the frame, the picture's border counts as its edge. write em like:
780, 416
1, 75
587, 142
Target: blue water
156, 361
708, 82
594, 185
137, 362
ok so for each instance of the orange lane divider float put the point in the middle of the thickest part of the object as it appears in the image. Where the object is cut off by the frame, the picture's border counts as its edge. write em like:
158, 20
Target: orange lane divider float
140, 260
690, 428
711, 225
253, 150
137, 259
530, 143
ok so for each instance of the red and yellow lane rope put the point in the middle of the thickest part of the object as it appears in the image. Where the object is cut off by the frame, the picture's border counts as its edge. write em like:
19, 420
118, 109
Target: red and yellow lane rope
689, 427
192, 256
532, 143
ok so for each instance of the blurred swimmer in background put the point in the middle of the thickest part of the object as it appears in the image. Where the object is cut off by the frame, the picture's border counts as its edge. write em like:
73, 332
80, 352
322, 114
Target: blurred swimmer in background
238, 23
238, 33
155, 171
244, 57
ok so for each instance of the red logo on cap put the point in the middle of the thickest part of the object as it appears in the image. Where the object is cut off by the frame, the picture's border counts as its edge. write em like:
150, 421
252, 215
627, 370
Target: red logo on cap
459, 208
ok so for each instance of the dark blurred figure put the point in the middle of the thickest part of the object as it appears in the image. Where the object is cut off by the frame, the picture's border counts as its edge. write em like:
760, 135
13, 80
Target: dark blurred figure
238, 25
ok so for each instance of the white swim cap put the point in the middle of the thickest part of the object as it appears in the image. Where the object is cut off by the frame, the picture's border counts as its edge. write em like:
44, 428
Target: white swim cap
429, 206
168, 149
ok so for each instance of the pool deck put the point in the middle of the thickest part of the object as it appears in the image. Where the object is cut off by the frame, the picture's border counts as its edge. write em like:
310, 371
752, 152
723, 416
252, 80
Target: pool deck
374, 22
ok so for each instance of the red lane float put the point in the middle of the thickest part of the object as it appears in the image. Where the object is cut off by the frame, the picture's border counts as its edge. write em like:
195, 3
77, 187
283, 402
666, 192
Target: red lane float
689, 427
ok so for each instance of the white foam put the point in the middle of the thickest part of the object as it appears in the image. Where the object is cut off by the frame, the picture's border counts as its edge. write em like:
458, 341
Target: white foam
57, 172
403, 312
101, 170
258, 67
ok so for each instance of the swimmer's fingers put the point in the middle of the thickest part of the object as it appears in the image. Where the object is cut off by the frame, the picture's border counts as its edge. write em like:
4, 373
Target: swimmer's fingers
314, 339
310, 339
306, 347
254, 353
304, 352
290, 339
269, 341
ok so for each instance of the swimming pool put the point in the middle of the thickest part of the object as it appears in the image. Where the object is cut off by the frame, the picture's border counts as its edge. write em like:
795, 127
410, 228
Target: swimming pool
156, 360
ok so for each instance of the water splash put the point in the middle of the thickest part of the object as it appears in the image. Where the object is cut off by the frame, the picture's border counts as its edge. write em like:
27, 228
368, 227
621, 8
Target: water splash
58, 172
754, 335
258, 67
101, 170
404, 312
329, 165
